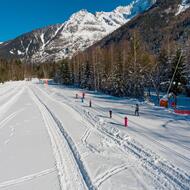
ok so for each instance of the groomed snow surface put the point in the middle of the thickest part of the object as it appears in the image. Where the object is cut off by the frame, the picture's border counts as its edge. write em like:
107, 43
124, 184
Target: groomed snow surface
49, 140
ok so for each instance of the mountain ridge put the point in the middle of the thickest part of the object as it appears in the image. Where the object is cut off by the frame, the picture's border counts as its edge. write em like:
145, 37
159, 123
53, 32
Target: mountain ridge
83, 29
165, 19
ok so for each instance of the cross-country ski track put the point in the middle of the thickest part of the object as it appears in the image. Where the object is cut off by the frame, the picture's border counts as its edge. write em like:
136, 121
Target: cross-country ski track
49, 140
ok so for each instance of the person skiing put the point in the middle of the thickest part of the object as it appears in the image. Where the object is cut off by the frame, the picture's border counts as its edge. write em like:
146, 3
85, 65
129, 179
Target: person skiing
137, 110
83, 95
110, 112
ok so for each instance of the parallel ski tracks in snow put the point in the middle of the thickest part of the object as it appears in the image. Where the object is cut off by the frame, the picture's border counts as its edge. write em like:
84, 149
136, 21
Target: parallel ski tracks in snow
136, 124
85, 138
86, 135
165, 174
10, 102
26, 178
9, 118
150, 162
5, 91
84, 181
163, 146
109, 173
151, 139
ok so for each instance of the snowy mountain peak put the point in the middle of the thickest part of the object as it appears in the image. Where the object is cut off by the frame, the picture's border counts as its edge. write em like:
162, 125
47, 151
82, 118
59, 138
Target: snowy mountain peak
123, 9
78, 15
185, 4
78, 33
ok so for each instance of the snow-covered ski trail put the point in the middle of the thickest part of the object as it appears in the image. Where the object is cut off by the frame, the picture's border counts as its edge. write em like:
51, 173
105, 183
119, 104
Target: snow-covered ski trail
7, 119
68, 161
103, 177
164, 172
26, 178
143, 131
11, 101
25, 151
170, 172
93, 149
96, 110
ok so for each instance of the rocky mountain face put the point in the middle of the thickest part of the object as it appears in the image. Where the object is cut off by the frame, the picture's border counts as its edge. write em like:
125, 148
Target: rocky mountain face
166, 23
144, 52
82, 30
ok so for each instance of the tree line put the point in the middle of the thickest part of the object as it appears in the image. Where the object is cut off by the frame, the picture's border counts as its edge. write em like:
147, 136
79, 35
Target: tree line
15, 69
11, 70
127, 69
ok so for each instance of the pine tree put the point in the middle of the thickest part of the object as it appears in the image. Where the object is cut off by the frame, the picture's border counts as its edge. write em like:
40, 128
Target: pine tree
65, 73
160, 73
138, 67
117, 75
88, 77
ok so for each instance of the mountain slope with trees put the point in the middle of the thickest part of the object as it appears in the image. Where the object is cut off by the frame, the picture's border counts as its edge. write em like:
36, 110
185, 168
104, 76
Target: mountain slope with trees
60, 41
141, 54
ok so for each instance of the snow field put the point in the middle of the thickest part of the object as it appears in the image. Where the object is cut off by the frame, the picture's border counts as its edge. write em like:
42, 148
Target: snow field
171, 176
101, 158
51, 140
65, 155
25, 151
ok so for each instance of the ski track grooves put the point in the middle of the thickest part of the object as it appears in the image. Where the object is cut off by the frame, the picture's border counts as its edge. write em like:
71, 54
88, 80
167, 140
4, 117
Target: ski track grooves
10, 92
84, 141
5, 92
81, 168
26, 178
163, 146
10, 102
151, 139
7, 119
170, 176
103, 177
86, 135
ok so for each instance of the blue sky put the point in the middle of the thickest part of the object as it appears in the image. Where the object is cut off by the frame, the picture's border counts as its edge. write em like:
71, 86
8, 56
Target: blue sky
20, 16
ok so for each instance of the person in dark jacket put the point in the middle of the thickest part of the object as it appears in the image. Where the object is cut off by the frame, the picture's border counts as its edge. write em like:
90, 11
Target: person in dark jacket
110, 113
137, 110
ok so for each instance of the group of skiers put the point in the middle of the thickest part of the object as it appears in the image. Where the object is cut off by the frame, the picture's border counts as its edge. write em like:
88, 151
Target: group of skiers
110, 111
136, 111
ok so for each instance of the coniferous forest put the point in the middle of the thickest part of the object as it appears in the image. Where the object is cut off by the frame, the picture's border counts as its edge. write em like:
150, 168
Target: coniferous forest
124, 69
11, 70
145, 54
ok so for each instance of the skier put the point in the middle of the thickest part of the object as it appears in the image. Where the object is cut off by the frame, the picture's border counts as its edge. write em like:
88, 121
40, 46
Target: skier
90, 103
110, 112
137, 110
